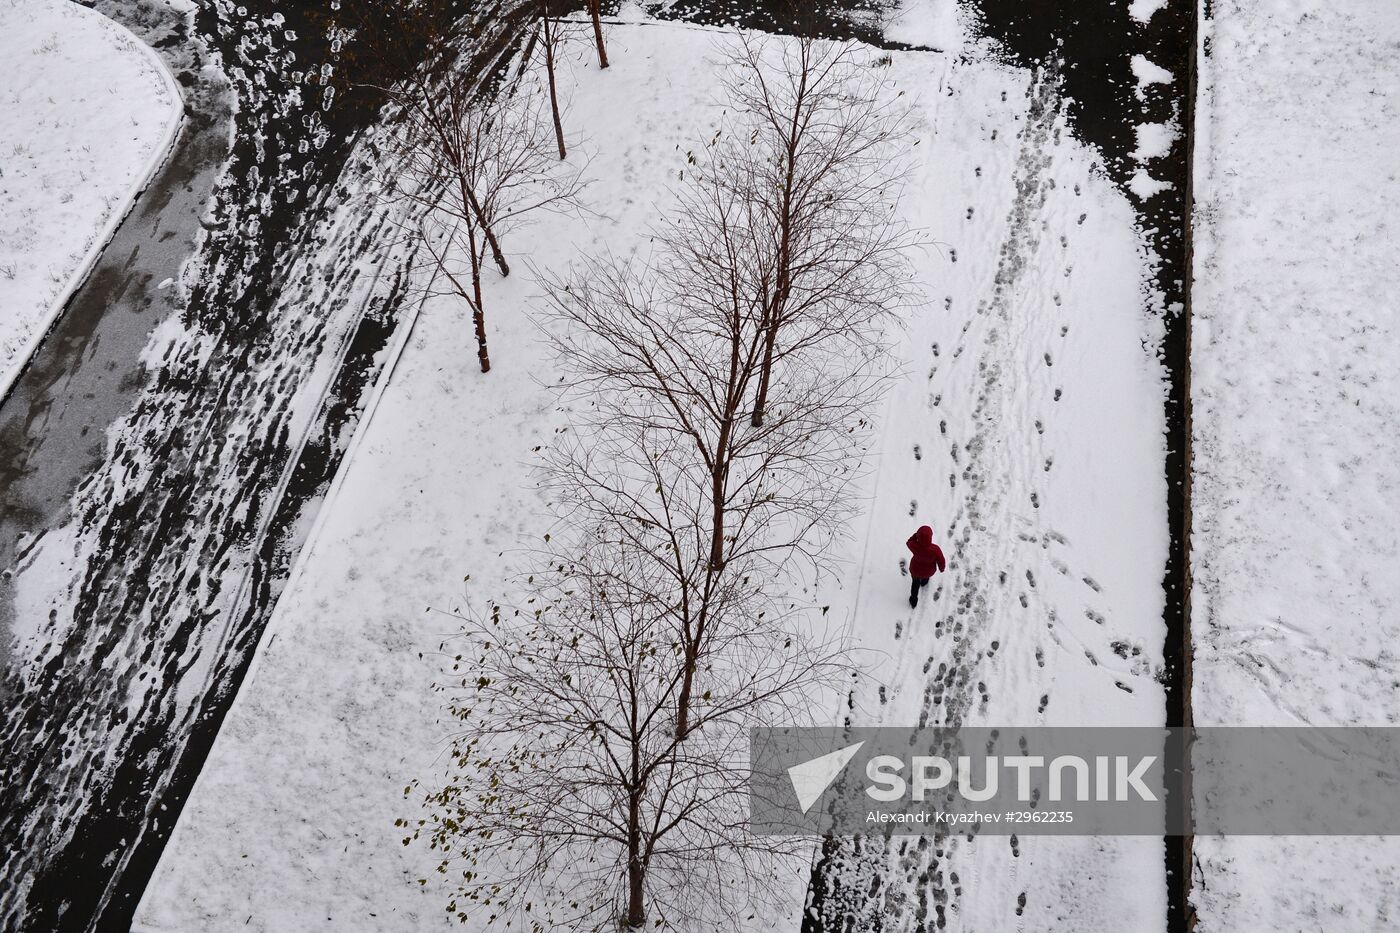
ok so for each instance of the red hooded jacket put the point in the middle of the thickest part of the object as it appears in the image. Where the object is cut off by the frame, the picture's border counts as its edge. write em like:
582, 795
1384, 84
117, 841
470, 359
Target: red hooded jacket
928, 557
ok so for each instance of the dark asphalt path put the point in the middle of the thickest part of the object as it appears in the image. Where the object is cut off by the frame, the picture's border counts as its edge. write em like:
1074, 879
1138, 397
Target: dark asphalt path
183, 486
169, 473
87, 373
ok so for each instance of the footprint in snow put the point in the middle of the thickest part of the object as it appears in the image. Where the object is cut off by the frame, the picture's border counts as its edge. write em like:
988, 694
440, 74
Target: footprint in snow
918, 452
1093, 584
1044, 698
1124, 650
1048, 360
1049, 462
1082, 218
969, 213
1035, 500
1064, 330
1039, 426
1058, 393
913, 507
1056, 298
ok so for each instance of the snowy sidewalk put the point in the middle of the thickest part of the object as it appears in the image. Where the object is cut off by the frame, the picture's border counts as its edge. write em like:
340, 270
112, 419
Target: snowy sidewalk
89, 114
1296, 392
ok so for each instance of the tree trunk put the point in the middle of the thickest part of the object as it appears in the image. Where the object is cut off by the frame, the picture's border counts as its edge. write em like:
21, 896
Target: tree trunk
473, 205
636, 860
683, 703
636, 870
595, 7
770, 341
496, 253
486, 231
773, 319
553, 88
478, 309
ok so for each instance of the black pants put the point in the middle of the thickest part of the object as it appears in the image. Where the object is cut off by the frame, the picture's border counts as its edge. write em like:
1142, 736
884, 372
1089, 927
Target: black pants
916, 585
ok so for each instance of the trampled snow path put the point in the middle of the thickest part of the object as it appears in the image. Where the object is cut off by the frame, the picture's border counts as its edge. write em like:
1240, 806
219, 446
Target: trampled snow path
1025, 425
89, 113
1027, 433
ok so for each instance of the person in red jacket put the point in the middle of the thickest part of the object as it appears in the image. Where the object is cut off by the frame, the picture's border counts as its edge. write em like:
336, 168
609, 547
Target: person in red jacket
927, 560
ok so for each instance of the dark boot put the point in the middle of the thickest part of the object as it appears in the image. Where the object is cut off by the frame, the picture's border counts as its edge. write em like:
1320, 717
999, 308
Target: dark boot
914, 591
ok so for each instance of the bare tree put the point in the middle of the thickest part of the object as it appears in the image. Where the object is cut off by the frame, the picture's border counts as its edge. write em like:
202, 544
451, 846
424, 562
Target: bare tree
664, 359
813, 151
477, 163
420, 57
573, 804
731, 472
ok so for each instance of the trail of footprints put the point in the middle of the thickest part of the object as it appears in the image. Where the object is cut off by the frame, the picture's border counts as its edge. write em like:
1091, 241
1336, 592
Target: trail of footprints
950, 688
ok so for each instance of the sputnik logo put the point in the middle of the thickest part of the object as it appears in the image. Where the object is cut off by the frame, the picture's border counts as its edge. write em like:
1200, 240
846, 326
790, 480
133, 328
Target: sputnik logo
811, 778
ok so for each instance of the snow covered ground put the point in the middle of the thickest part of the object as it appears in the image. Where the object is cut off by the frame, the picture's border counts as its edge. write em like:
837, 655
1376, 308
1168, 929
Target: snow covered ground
1025, 425
1297, 396
89, 112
